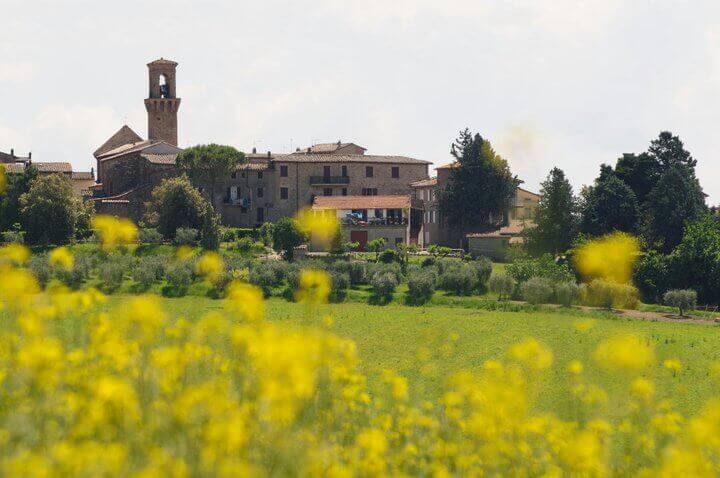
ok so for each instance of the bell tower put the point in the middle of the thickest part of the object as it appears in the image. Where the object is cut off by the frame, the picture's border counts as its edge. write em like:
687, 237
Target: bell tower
162, 104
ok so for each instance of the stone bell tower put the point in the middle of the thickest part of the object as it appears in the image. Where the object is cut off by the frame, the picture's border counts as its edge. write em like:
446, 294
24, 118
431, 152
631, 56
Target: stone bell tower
162, 105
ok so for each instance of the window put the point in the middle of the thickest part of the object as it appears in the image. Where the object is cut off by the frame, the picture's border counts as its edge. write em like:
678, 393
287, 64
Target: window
369, 191
344, 171
344, 191
368, 171
233, 175
327, 191
283, 193
260, 192
326, 171
260, 174
283, 170
379, 213
395, 171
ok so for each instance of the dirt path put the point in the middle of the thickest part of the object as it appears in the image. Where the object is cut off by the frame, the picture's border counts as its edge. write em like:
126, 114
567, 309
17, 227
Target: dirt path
658, 316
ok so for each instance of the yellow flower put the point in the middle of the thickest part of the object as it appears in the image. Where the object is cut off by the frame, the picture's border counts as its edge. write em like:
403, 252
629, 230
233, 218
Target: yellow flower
115, 231
62, 258
532, 354
642, 388
14, 254
3, 181
314, 287
674, 365
210, 266
628, 353
321, 226
575, 367
246, 300
610, 258
184, 253
584, 325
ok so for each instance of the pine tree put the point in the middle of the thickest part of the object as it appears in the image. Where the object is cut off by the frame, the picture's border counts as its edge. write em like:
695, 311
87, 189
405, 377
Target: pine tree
556, 217
609, 205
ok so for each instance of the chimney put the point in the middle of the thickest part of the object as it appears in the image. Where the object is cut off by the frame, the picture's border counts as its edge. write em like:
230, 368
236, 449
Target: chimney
297, 150
12, 152
339, 143
92, 172
29, 154
254, 150
269, 155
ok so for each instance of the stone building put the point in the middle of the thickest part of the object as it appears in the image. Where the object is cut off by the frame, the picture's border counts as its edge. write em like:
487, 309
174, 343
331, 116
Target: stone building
81, 181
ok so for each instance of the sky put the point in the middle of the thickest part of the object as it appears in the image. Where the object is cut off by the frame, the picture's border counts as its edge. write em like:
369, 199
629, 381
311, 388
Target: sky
566, 83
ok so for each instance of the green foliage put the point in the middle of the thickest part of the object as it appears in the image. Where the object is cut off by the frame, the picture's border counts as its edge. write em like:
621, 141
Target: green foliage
458, 279
383, 286
336, 244
376, 245
653, 275
676, 199
210, 232
14, 236
640, 172
683, 299
149, 235
339, 282
609, 205
17, 185
286, 237
179, 277
38, 265
544, 266
482, 266
266, 233
49, 211
537, 290
556, 219
351, 246
177, 204
268, 275
78, 275
208, 165
502, 284
421, 287
111, 273
388, 256
609, 295
148, 270
244, 245
481, 186
186, 236
566, 293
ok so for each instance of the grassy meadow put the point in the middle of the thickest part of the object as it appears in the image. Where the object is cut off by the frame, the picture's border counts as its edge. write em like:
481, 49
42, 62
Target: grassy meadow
428, 344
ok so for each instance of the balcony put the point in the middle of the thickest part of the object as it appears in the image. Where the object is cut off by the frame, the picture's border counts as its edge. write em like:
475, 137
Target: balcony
374, 221
323, 180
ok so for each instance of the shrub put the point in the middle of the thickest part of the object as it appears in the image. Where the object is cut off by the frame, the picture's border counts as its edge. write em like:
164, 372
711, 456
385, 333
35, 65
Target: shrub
179, 277
383, 286
378, 268
111, 274
502, 284
421, 287
483, 268
186, 236
210, 231
566, 293
653, 275
339, 282
228, 234
427, 262
244, 245
458, 280
683, 299
545, 266
266, 275
537, 290
356, 272
286, 237
148, 270
13, 237
75, 277
609, 295
149, 235
388, 256
40, 268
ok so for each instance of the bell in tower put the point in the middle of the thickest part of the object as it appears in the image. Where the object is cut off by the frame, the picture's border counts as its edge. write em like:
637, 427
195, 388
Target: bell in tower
162, 103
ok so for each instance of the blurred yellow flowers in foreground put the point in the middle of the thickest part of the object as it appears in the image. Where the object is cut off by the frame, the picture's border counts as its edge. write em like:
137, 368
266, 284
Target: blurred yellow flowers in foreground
114, 231
320, 226
3, 180
611, 258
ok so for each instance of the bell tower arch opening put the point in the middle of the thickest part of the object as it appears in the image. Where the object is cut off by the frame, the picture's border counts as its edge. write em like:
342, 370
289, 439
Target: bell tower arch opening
162, 103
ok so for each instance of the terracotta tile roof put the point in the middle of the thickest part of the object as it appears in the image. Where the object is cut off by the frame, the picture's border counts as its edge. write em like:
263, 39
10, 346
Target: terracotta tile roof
424, 183
454, 164
349, 158
254, 166
529, 192
124, 149
124, 135
53, 167
160, 158
82, 175
326, 148
14, 168
362, 202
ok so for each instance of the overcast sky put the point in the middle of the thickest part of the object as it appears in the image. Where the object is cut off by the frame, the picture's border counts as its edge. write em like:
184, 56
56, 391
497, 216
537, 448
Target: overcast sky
562, 83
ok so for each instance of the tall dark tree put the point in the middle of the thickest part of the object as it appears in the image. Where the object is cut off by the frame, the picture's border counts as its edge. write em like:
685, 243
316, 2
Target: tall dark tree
209, 165
669, 151
481, 185
639, 171
675, 200
556, 217
17, 185
609, 205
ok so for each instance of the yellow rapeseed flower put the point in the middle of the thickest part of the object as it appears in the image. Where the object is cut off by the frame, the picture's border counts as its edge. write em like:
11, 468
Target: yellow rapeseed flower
314, 287
62, 258
610, 258
674, 365
115, 231
584, 325
321, 226
629, 353
575, 367
246, 300
642, 388
14, 254
184, 253
210, 266
532, 354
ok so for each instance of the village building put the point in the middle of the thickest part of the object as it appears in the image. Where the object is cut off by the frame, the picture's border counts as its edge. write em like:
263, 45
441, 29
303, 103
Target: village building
81, 181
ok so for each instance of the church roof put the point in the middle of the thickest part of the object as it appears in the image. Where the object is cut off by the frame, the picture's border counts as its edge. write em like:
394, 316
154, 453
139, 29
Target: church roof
160, 158
162, 61
123, 136
326, 148
124, 149
53, 167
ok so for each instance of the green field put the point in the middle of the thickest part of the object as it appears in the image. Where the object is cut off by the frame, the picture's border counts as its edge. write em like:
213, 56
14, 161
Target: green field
392, 337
